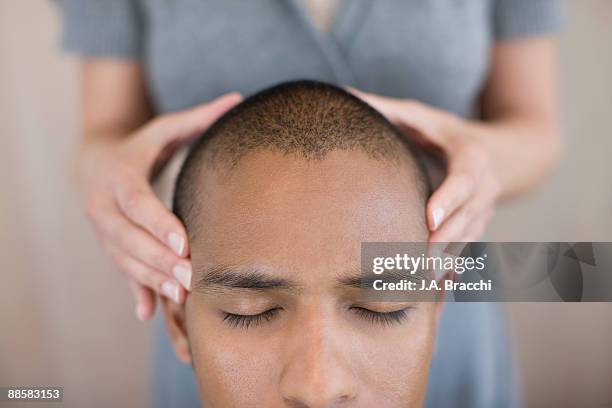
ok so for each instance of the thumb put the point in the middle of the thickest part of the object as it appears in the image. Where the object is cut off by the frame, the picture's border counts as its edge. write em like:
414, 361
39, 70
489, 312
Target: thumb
420, 122
172, 131
184, 126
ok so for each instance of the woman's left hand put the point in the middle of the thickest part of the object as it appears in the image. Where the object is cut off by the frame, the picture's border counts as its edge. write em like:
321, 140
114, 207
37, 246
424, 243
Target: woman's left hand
460, 209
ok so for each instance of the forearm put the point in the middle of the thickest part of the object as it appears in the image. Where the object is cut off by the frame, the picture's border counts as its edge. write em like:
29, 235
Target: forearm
114, 105
93, 149
520, 113
99, 137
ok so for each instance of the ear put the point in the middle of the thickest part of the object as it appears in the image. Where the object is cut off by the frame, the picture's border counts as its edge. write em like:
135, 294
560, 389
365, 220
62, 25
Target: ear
174, 315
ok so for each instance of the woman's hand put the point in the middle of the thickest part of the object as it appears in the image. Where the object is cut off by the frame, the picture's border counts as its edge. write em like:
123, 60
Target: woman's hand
460, 209
145, 240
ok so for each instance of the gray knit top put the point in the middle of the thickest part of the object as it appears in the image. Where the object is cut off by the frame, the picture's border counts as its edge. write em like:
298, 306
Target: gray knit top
436, 51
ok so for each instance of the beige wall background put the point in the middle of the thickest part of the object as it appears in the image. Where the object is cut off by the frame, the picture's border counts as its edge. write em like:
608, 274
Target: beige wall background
66, 317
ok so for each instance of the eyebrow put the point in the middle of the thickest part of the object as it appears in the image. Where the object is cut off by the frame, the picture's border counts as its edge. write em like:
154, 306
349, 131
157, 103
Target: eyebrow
355, 279
220, 277
352, 279
236, 277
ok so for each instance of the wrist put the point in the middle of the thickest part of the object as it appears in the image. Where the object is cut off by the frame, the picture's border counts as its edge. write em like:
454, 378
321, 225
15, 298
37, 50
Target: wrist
91, 158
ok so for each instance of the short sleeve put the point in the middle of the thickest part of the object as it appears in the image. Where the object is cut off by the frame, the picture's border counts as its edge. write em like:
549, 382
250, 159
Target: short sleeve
523, 18
102, 28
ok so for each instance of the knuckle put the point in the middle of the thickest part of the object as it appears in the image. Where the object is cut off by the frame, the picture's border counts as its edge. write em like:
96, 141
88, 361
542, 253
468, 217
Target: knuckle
163, 260
123, 240
142, 275
145, 276
476, 155
161, 227
120, 177
470, 211
120, 173
156, 282
463, 179
122, 264
133, 200
125, 237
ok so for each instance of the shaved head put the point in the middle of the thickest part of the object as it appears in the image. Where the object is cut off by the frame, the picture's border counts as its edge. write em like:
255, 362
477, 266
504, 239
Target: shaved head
303, 119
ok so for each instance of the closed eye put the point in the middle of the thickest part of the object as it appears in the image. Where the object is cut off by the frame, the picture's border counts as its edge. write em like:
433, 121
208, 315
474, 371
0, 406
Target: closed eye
377, 318
381, 318
246, 321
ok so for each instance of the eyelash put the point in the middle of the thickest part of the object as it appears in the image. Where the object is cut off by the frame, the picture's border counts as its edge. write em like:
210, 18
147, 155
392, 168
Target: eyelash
246, 321
382, 318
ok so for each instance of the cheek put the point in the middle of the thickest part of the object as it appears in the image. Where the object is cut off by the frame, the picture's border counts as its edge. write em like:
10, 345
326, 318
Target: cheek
397, 364
232, 370
235, 368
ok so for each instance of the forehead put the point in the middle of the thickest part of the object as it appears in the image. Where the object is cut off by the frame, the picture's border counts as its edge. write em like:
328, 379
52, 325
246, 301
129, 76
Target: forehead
282, 210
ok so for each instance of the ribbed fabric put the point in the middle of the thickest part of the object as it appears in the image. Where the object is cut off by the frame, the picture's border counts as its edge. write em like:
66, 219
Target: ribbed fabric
104, 28
520, 18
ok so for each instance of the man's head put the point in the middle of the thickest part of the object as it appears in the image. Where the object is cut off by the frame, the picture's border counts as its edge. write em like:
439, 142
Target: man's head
277, 198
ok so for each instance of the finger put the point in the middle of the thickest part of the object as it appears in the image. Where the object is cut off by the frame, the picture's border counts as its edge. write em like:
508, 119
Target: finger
146, 276
183, 126
144, 299
389, 107
420, 121
456, 227
139, 203
139, 244
153, 280
451, 229
468, 171
454, 191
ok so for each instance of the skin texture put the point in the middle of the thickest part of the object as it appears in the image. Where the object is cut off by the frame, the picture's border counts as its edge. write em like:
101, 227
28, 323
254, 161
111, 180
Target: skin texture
303, 222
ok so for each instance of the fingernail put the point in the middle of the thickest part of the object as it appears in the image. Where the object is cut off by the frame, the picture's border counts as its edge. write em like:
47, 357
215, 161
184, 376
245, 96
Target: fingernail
438, 216
177, 243
182, 274
140, 312
171, 290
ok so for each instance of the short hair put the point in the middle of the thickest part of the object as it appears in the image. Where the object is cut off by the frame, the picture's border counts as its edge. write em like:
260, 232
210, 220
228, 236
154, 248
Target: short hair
305, 118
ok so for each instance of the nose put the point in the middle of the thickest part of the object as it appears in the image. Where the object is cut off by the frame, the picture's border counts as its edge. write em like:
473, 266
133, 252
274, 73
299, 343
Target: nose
317, 371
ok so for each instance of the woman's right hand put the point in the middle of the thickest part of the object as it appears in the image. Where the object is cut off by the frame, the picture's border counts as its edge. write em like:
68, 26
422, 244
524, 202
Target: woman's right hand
144, 239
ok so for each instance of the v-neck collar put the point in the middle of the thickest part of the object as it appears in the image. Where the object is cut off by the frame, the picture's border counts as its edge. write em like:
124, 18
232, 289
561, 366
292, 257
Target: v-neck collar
350, 12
